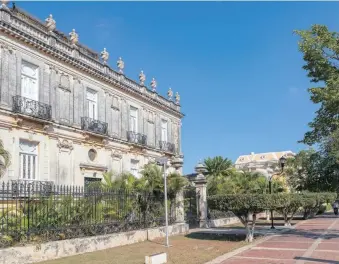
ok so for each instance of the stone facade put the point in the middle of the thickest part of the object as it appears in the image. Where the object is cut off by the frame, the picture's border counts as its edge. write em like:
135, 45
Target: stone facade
67, 116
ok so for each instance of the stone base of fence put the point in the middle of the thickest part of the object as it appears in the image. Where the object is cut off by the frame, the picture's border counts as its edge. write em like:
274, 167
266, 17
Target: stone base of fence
65, 248
223, 221
228, 220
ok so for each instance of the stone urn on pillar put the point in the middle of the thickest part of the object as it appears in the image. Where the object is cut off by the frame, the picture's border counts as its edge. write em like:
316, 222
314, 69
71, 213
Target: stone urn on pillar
201, 186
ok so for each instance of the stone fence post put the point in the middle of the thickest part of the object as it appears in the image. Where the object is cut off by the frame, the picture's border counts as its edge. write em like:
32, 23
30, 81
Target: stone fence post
201, 188
177, 163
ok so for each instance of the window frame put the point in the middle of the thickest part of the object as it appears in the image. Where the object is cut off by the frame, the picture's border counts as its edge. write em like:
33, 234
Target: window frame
93, 101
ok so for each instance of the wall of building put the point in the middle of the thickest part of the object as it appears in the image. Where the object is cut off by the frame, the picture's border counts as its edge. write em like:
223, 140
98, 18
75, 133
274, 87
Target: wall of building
62, 146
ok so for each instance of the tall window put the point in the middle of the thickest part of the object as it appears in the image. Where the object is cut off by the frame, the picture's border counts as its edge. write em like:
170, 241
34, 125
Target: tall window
29, 81
28, 160
135, 168
164, 128
92, 99
133, 119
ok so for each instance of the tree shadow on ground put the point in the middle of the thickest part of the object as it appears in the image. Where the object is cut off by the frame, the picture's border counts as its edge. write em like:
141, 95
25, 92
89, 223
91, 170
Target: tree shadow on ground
317, 260
218, 236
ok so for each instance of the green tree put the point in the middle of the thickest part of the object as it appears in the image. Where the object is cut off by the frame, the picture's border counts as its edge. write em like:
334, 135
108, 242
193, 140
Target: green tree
5, 159
218, 170
320, 48
244, 206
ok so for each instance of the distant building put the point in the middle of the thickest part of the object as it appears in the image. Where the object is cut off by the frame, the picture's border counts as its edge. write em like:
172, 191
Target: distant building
261, 161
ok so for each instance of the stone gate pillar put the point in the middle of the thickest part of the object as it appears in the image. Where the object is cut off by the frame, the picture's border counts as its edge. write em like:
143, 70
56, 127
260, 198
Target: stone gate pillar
177, 163
201, 187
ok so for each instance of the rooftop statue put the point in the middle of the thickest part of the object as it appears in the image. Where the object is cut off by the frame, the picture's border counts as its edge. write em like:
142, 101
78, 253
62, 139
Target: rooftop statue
74, 37
50, 23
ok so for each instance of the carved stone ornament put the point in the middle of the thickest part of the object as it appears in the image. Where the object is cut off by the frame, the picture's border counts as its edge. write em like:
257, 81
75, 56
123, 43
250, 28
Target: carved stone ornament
74, 37
50, 23
4, 4
154, 85
116, 154
65, 144
105, 141
121, 65
170, 93
177, 98
142, 78
64, 82
19, 121
104, 56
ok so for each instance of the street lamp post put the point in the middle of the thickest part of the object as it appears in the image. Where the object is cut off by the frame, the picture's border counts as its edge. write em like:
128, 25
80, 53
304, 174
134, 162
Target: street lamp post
282, 162
163, 162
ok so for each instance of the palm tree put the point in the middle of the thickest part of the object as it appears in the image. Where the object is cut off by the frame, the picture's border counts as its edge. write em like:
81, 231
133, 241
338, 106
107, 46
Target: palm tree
218, 170
5, 159
217, 165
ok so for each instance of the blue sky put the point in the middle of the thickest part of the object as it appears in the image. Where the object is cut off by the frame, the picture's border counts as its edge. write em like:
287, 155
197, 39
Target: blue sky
236, 65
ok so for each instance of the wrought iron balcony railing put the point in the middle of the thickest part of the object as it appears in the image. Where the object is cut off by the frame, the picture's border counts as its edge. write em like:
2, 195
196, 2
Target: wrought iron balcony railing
137, 138
92, 125
167, 146
25, 106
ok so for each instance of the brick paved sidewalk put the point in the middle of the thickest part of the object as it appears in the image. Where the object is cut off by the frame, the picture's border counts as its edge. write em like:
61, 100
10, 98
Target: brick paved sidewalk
314, 241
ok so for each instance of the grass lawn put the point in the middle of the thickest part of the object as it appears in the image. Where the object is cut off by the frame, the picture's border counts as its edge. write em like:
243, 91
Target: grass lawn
194, 248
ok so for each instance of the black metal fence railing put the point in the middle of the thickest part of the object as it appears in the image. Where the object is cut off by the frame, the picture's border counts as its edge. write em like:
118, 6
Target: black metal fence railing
93, 125
25, 106
137, 138
167, 146
29, 209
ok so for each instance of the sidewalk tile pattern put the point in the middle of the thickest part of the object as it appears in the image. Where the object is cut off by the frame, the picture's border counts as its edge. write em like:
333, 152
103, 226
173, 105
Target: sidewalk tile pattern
311, 242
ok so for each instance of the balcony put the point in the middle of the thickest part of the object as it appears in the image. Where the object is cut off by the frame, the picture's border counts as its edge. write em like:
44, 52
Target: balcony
136, 138
94, 126
29, 107
167, 146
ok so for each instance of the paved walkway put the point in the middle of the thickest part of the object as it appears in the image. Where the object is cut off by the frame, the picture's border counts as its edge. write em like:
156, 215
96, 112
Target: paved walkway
314, 241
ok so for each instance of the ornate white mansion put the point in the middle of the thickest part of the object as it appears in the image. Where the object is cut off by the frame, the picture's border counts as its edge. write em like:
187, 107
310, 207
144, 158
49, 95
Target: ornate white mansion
261, 162
67, 116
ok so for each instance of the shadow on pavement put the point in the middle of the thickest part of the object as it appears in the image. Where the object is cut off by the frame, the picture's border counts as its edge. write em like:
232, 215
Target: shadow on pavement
218, 236
317, 260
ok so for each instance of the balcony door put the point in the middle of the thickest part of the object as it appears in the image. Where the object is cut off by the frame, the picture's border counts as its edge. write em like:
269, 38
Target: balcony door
29, 81
133, 119
164, 128
92, 99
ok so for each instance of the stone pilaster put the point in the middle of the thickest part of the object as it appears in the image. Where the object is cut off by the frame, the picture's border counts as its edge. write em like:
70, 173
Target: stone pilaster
5, 52
124, 119
52, 90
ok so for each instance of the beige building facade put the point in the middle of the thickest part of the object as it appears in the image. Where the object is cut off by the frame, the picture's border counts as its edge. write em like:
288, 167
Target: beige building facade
262, 162
67, 117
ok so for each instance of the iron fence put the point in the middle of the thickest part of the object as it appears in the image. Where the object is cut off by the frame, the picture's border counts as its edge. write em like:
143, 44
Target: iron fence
30, 209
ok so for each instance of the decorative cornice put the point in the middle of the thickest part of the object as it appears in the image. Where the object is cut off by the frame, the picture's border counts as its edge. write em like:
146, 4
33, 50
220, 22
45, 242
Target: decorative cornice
63, 51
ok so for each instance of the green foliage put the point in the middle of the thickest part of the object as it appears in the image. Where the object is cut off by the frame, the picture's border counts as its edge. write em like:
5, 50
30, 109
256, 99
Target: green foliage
245, 205
239, 182
320, 48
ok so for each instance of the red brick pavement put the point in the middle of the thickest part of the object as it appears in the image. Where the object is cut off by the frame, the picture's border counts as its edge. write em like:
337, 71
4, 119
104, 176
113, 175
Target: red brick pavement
313, 241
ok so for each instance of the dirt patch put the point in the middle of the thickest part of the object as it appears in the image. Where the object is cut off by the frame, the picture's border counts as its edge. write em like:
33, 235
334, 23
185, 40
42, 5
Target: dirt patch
195, 248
